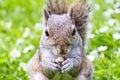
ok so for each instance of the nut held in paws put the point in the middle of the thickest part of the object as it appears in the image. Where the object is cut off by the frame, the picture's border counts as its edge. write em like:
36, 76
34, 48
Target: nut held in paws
60, 59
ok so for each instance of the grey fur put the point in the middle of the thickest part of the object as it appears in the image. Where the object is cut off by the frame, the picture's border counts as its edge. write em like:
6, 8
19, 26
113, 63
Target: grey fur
60, 26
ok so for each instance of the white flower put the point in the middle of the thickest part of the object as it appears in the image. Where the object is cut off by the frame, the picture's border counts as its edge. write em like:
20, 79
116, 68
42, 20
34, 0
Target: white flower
93, 54
8, 24
23, 65
104, 29
117, 5
15, 54
26, 32
111, 22
116, 36
38, 26
108, 12
91, 57
117, 11
113, 65
91, 36
109, 1
117, 28
119, 50
19, 41
102, 48
30, 47
97, 7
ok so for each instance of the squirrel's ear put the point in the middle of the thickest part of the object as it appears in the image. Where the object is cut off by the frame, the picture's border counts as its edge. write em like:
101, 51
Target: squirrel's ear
71, 14
46, 15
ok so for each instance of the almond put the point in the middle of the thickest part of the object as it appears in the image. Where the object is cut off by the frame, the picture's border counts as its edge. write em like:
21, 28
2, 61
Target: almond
60, 59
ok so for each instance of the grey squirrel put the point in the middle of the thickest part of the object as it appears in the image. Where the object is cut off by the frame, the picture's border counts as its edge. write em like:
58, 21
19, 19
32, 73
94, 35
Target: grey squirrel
61, 54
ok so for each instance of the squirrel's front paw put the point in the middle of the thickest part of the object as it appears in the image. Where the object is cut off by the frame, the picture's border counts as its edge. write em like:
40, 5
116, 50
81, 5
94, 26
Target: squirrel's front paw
67, 65
53, 65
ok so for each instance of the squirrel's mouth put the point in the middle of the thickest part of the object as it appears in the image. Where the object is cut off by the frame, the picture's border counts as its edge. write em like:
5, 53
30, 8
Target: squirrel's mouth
63, 53
62, 49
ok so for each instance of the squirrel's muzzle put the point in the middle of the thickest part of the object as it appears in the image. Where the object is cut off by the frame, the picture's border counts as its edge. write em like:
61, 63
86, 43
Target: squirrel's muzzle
62, 45
62, 49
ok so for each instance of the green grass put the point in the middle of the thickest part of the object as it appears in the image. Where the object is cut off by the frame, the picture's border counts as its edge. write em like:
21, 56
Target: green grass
18, 15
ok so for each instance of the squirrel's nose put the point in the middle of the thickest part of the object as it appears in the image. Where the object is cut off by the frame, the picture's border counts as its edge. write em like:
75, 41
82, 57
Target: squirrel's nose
62, 48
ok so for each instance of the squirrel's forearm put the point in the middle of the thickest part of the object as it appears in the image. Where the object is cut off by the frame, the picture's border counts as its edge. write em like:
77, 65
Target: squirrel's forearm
77, 60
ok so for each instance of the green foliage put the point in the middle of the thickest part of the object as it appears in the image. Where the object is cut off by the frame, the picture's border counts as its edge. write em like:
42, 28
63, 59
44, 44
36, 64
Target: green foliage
107, 63
20, 30
15, 17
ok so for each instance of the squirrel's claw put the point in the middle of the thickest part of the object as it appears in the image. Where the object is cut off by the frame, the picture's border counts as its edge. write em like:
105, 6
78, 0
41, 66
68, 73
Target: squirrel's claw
67, 65
51, 65
54, 66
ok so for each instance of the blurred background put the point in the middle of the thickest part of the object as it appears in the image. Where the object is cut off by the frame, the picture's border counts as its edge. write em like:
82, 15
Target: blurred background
21, 24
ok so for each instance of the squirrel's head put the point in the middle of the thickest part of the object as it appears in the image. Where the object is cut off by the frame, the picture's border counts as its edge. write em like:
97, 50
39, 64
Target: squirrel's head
60, 32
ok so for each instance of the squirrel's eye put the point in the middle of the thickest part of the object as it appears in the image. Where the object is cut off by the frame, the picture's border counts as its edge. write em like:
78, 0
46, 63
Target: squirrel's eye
46, 33
73, 33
